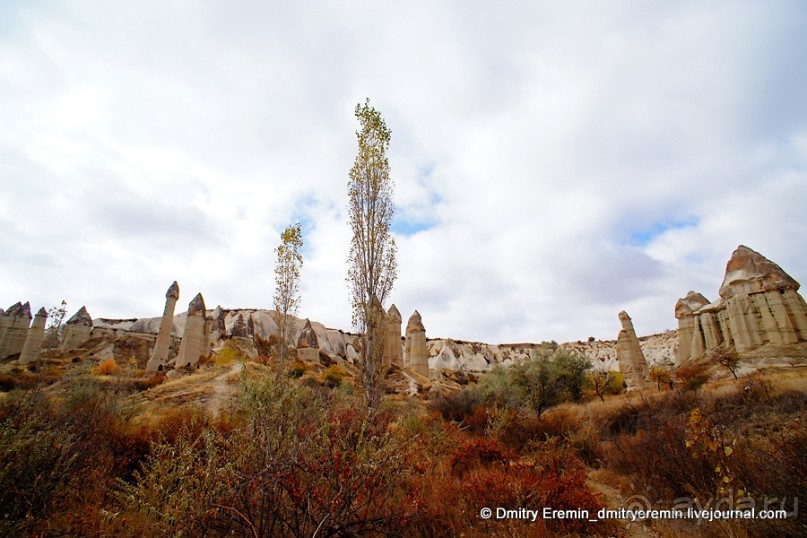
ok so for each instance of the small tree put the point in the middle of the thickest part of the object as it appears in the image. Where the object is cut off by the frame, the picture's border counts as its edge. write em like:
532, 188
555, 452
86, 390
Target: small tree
604, 382
287, 282
728, 358
372, 264
660, 375
56, 316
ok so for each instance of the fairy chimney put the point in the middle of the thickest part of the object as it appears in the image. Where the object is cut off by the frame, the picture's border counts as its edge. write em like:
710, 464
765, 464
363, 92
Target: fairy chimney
77, 329
194, 339
159, 355
36, 335
417, 355
629, 354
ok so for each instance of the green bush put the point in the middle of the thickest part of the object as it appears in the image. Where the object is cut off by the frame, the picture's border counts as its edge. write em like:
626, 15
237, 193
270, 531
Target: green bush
546, 379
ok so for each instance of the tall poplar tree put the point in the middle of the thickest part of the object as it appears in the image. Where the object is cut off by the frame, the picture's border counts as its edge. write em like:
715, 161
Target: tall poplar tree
372, 264
287, 282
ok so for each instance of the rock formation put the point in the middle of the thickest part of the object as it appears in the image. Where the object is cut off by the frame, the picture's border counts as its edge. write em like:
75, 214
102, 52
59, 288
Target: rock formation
36, 335
684, 309
194, 338
308, 344
77, 329
632, 363
393, 349
19, 318
417, 355
5, 323
240, 327
159, 356
759, 304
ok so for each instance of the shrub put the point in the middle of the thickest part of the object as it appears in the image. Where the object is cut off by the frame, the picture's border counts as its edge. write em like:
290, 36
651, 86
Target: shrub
660, 375
146, 384
7, 383
106, 367
604, 382
297, 370
225, 356
546, 379
333, 376
457, 406
693, 376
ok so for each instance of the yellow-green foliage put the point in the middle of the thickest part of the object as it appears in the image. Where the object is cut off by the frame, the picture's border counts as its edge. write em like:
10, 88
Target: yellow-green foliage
333, 376
225, 356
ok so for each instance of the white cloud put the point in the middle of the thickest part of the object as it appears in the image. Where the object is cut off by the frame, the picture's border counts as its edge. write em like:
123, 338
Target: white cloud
554, 163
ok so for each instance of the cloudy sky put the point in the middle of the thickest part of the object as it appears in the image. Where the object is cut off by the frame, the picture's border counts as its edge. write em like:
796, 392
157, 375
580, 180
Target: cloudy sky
554, 162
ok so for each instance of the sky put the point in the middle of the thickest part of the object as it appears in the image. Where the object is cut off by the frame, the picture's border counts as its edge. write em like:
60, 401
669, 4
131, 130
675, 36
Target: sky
554, 162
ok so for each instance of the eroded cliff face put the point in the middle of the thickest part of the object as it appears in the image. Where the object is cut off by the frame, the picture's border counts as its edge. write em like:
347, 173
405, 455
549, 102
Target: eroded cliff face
442, 352
242, 323
658, 349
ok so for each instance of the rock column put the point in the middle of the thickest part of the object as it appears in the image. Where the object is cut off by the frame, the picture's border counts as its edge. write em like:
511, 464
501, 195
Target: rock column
5, 323
36, 335
77, 329
686, 322
393, 349
159, 355
194, 338
632, 363
417, 354
17, 331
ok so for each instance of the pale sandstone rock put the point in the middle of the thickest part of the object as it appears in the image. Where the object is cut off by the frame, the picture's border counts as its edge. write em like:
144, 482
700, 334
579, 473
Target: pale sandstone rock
77, 329
632, 363
5, 323
684, 309
782, 321
417, 355
36, 335
795, 305
17, 331
159, 355
393, 348
194, 339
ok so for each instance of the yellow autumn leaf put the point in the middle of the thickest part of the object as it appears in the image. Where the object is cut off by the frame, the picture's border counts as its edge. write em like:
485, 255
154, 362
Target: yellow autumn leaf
728, 451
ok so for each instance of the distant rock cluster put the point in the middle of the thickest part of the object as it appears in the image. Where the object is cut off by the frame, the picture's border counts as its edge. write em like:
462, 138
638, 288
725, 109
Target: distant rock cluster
182, 340
759, 304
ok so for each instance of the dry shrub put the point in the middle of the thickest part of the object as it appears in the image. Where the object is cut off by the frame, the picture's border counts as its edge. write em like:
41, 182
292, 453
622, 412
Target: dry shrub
457, 406
693, 376
146, 384
7, 383
297, 370
107, 367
